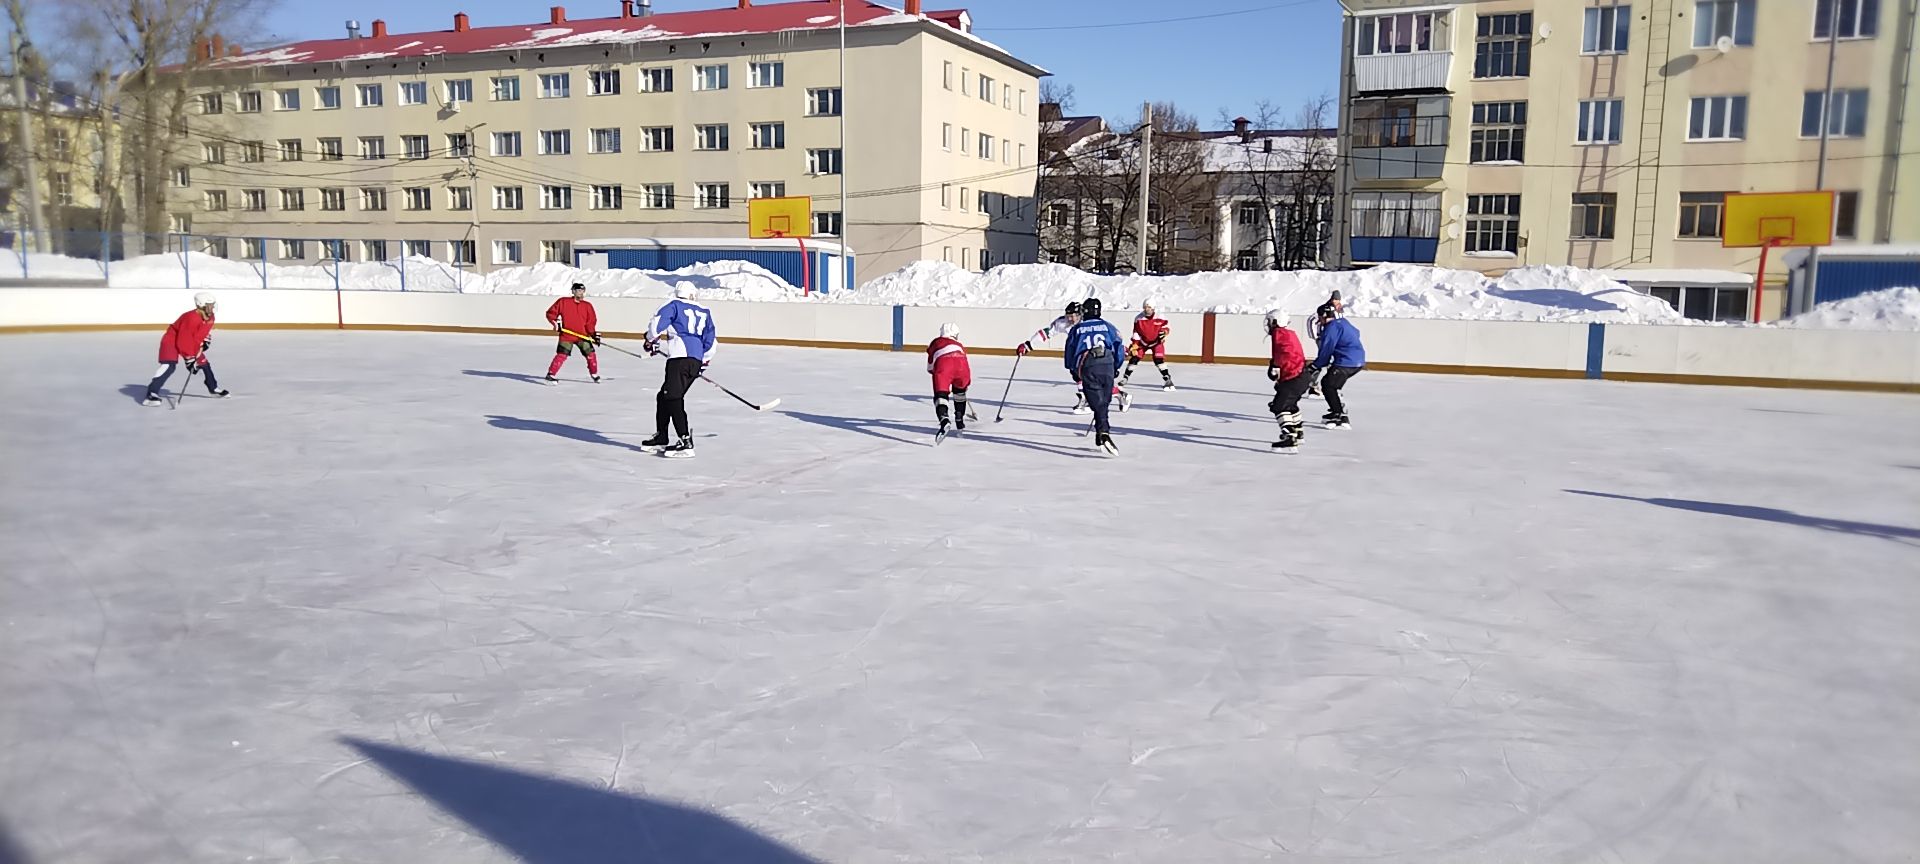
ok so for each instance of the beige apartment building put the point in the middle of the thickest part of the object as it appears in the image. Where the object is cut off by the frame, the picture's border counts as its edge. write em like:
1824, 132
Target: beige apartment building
497, 146
1488, 135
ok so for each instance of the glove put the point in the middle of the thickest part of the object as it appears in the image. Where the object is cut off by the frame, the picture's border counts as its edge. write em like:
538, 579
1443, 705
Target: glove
1273, 373
193, 365
1023, 350
557, 326
653, 348
206, 344
596, 338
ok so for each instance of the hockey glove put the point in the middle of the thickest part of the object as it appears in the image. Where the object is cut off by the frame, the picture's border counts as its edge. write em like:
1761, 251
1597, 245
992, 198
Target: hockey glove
1273, 373
1023, 349
193, 365
206, 344
653, 348
596, 338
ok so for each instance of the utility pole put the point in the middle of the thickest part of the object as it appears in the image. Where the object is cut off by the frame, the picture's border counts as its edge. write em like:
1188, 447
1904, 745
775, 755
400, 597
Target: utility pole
472, 171
1820, 172
1146, 179
846, 249
36, 241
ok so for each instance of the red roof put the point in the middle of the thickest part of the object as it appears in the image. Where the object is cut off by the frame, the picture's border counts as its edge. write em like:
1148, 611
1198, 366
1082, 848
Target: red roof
760, 18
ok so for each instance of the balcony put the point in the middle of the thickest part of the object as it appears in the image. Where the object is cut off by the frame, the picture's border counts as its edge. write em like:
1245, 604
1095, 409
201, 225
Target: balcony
1399, 147
1399, 250
1420, 70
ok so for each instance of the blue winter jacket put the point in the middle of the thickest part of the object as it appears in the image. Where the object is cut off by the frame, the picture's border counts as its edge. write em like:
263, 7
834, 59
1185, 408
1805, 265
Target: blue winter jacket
1089, 335
1340, 345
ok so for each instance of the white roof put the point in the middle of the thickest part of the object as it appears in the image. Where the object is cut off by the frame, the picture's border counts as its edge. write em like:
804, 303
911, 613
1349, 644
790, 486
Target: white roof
777, 243
1648, 275
1795, 257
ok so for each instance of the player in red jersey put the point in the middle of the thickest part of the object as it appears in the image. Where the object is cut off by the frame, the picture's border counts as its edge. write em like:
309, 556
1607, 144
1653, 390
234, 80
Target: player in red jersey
574, 314
952, 375
1290, 375
1149, 338
188, 339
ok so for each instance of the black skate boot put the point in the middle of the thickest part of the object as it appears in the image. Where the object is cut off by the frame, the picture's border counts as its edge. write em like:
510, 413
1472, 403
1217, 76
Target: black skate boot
1340, 421
553, 379
682, 450
1105, 442
655, 444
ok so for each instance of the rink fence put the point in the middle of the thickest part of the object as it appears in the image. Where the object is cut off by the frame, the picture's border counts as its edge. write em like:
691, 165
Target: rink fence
1768, 357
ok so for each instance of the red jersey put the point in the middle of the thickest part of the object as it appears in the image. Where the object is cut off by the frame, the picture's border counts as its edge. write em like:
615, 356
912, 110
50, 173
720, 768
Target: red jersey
1288, 358
947, 361
1150, 331
185, 336
575, 315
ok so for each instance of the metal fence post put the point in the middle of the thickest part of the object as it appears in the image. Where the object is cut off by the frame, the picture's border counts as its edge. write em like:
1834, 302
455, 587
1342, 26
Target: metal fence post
106, 257
403, 265
186, 259
263, 263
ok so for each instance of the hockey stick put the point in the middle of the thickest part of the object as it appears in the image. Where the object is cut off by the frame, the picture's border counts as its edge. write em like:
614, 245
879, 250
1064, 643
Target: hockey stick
182, 395
743, 400
1000, 414
601, 344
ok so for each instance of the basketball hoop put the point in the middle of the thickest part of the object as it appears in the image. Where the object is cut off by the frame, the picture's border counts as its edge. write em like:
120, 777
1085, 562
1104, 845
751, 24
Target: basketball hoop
774, 218
1770, 220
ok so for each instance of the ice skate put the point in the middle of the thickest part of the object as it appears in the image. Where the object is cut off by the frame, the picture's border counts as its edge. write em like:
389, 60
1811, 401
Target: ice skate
1340, 421
1104, 441
219, 394
941, 435
682, 450
553, 379
1168, 387
1126, 401
960, 422
655, 444
153, 401
1286, 444
1080, 404
596, 379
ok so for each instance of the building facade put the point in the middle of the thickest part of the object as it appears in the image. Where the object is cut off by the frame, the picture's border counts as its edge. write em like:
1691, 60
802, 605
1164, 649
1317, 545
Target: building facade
69, 158
498, 146
1501, 133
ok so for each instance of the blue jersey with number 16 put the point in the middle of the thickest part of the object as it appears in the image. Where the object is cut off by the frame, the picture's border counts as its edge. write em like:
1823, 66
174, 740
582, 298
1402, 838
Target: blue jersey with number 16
691, 325
1093, 336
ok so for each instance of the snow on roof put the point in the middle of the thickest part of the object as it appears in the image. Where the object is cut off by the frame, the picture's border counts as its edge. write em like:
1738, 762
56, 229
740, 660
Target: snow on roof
1223, 155
828, 246
1640, 276
1796, 257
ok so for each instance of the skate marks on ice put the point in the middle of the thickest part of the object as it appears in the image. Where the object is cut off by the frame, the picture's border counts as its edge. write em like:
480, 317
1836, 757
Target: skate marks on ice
1895, 533
922, 433
549, 820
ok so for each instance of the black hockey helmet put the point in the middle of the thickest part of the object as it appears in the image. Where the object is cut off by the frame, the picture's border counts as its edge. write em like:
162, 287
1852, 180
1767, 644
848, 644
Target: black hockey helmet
1327, 311
1091, 308
1073, 308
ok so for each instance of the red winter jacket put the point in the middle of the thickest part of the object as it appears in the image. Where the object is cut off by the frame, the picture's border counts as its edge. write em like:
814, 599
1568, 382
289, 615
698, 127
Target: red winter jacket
1288, 358
185, 336
575, 315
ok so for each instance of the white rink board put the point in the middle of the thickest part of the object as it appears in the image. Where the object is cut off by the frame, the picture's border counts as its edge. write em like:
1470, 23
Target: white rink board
397, 602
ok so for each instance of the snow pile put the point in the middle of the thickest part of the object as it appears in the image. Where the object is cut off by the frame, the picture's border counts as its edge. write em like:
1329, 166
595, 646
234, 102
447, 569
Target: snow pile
1887, 309
1541, 293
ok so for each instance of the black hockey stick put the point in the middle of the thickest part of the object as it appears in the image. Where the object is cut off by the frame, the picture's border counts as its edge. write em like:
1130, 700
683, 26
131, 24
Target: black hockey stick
182, 395
743, 400
1000, 414
584, 338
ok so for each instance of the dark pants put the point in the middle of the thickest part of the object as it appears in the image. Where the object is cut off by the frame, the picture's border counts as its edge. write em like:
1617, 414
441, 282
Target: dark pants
958, 396
1287, 392
166, 371
1331, 383
681, 373
1096, 382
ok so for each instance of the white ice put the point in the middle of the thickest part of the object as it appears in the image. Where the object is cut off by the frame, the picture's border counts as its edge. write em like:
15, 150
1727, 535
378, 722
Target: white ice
395, 602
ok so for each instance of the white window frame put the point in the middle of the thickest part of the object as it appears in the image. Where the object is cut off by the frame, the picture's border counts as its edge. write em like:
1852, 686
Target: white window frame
1406, 33
656, 79
1864, 20
1599, 121
459, 198
286, 99
253, 248
766, 189
1838, 123
1713, 19
457, 90
819, 157
946, 137
460, 253
712, 137
650, 136
603, 82
293, 200
827, 97
985, 150
415, 147
556, 251
771, 135
333, 199
214, 201
556, 197
373, 199
509, 198
606, 196
556, 85
413, 92
376, 91
508, 252
503, 138
712, 196
373, 250
1717, 118
417, 248
604, 140
766, 75
504, 88
324, 95
331, 149
419, 198
293, 250
373, 147
1606, 30
657, 196
556, 142
248, 102
253, 200
710, 77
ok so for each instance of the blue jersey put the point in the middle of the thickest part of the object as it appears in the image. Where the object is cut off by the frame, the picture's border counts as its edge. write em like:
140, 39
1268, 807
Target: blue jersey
684, 329
1340, 345
1093, 340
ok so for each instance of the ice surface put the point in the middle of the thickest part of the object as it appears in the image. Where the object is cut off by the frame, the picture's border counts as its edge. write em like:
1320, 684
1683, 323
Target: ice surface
395, 602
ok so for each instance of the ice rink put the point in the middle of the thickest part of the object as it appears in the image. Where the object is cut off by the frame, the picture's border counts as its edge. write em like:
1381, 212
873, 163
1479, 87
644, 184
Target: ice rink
397, 601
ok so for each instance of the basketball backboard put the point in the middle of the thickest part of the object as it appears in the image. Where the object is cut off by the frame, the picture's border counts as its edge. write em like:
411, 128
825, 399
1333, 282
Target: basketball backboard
791, 216
1777, 219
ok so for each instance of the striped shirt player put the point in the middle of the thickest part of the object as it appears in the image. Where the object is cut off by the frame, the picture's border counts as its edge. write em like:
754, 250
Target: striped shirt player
952, 375
683, 330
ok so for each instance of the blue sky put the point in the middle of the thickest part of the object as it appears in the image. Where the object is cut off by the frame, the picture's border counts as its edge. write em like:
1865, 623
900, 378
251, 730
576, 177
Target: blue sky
1246, 51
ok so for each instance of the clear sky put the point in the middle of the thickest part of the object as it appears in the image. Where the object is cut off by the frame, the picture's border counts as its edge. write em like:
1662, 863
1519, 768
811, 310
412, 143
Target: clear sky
1226, 54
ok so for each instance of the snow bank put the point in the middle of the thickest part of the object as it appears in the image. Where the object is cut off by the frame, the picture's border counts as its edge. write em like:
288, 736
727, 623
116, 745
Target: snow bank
1888, 309
1544, 293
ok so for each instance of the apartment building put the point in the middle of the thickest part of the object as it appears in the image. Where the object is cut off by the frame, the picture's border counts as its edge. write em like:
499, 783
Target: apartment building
498, 146
1488, 135
68, 154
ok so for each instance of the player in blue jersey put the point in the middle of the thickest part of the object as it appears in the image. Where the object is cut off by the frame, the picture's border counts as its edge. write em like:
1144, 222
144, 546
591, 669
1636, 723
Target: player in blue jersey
1095, 357
682, 330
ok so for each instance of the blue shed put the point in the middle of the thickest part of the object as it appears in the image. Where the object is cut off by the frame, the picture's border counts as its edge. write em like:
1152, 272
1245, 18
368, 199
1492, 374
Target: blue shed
1849, 271
831, 264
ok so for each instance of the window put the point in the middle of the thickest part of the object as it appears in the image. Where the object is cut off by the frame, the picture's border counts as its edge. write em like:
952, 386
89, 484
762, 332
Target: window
1022, 160
1006, 97
1606, 30
1006, 152
1599, 122
419, 198
556, 85
657, 139
1705, 303
459, 197
657, 196
213, 154
556, 197
333, 200
414, 146
370, 96
767, 74
713, 137
1713, 19
985, 197
986, 259
373, 198
509, 198
1246, 259
506, 88
656, 80
212, 103
506, 143
986, 89
253, 151
460, 252
946, 74
249, 101
710, 77
603, 82
413, 92
373, 250
606, 197
946, 196
1848, 119
1023, 103
946, 136
459, 145
422, 248
1499, 132
986, 146
769, 136
1859, 19
216, 198
604, 141
1493, 223
1248, 213
1701, 213
506, 251
966, 80
767, 190
254, 200
556, 251
253, 247
1846, 215
825, 160
1592, 216
293, 199
333, 250
60, 144
711, 196
556, 142
1503, 45
290, 150
823, 102
293, 250
827, 222
373, 147
286, 100
459, 90
946, 254
965, 203
326, 98
1394, 34
1717, 118
965, 134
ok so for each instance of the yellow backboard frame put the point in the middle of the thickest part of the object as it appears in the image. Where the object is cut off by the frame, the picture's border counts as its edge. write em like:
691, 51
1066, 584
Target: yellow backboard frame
790, 216
1777, 219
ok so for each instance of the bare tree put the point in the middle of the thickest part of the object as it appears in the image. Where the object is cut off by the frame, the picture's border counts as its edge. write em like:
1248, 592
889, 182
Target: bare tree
1092, 195
1289, 174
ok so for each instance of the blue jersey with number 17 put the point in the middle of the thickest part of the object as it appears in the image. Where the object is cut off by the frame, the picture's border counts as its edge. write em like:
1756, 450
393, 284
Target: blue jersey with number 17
1093, 334
691, 326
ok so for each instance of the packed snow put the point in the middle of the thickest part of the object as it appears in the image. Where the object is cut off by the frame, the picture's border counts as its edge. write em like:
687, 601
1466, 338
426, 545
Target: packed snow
1888, 309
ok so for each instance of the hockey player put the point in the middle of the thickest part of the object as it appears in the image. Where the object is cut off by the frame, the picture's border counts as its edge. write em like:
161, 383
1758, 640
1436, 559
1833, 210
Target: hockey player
1341, 357
1313, 330
1288, 372
576, 314
682, 330
1149, 337
952, 375
1058, 327
1093, 355
188, 339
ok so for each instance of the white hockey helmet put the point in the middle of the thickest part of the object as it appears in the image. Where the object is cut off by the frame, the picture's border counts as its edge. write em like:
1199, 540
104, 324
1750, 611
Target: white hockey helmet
1276, 319
203, 299
1148, 305
684, 291
950, 330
